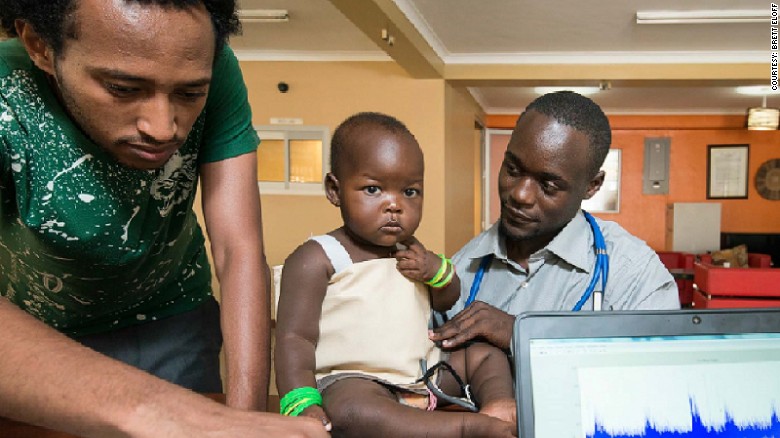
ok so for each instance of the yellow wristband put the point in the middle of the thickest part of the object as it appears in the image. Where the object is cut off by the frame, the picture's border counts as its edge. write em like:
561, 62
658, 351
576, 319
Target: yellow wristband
446, 280
440, 273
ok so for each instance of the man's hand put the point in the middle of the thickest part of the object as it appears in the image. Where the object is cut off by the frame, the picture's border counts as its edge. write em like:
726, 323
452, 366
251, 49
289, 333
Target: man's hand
213, 420
477, 320
415, 262
316, 412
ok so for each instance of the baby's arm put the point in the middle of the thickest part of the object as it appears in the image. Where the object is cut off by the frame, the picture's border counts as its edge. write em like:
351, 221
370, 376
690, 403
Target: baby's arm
417, 263
304, 283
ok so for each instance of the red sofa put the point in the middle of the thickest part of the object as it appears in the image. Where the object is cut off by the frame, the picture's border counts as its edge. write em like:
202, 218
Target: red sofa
674, 260
719, 287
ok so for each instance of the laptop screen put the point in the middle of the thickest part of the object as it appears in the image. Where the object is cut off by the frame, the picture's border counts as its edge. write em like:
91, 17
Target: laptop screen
675, 385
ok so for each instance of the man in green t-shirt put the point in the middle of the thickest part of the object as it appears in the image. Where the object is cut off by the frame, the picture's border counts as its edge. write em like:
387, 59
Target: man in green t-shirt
111, 111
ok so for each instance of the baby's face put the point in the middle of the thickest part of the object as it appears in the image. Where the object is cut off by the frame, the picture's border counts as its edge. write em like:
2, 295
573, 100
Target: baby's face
381, 187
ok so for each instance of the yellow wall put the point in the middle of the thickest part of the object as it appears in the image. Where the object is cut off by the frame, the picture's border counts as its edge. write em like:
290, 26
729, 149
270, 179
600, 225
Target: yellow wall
325, 93
442, 118
460, 114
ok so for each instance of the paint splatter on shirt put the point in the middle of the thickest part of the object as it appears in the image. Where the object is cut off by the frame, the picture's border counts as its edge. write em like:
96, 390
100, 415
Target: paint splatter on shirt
88, 245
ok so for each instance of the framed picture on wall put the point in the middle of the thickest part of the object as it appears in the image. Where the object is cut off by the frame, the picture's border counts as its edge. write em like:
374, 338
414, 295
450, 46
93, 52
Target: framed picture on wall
727, 171
607, 199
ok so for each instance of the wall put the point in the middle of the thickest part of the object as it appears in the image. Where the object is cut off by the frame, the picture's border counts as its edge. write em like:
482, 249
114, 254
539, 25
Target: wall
645, 215
325, 93
499, 140
460, 170
479, 137
441, 117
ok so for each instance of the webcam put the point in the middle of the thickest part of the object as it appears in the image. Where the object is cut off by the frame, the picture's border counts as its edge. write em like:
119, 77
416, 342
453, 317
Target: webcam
283, 87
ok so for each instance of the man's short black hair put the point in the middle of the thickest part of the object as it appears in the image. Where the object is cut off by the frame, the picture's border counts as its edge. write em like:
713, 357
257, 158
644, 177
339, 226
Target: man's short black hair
54, 20
582, 114
344, 132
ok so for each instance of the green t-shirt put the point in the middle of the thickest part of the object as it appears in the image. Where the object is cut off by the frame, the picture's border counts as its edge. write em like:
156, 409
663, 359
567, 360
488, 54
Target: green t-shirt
86, 244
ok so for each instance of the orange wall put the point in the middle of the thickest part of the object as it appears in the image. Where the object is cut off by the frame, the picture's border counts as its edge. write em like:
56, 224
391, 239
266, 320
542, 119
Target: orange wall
645, 215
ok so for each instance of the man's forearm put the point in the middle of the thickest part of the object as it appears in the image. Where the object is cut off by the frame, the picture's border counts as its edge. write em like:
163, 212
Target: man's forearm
231, 209
50, 380
248, 359
246, 330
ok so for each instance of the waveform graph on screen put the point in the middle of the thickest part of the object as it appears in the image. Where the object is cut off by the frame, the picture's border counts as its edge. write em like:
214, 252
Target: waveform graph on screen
699, 400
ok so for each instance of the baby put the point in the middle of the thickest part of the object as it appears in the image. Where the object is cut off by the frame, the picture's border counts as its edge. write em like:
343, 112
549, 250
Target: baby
352, 334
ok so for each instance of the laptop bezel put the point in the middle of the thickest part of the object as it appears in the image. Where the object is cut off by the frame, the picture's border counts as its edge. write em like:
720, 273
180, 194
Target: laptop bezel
563, 325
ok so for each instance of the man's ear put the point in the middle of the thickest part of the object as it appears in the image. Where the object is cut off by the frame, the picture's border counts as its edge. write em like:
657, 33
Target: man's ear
332, 189
40, 53
595, 184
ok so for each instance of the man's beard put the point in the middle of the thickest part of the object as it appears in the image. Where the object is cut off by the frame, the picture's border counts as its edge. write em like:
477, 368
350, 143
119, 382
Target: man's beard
69, 104
504, 232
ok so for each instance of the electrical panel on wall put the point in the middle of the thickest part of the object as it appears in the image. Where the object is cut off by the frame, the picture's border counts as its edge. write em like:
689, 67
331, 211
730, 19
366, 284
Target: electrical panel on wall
655, 180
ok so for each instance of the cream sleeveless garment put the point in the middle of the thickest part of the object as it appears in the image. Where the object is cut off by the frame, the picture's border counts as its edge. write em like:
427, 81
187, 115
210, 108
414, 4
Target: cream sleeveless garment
374, 322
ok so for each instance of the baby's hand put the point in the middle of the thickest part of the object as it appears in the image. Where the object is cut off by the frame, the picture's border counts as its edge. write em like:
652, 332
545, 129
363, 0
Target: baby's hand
316, 412
415, 262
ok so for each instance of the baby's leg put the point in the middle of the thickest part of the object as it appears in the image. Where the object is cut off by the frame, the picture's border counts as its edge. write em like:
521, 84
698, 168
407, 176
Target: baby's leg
486, 368
363, 408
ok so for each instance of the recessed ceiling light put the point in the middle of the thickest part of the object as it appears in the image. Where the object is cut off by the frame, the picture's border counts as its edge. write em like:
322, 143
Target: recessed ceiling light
585, 91
757, 90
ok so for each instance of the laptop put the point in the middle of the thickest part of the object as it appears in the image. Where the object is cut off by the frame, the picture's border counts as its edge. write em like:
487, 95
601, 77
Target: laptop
648, 373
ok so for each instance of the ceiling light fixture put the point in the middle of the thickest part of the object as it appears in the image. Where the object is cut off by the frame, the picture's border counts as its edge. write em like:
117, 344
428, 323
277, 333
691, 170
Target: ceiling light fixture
703, 16
763, 118
263, 15
585, 91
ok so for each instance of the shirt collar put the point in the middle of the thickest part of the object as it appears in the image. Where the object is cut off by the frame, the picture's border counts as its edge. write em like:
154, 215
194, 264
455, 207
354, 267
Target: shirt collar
491, 243
574, 243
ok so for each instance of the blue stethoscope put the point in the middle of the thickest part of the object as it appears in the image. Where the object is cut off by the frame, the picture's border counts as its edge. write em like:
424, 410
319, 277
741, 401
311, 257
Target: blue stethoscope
600, 271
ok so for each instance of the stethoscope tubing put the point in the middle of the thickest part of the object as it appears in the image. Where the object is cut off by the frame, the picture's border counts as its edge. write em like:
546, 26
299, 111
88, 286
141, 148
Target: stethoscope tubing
600, 271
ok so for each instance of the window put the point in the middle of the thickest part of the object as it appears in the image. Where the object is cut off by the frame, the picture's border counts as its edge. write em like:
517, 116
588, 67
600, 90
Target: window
292, 159
607, 199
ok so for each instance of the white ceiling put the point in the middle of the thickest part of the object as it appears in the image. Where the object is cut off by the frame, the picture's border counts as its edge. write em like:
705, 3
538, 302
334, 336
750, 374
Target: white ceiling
500, 49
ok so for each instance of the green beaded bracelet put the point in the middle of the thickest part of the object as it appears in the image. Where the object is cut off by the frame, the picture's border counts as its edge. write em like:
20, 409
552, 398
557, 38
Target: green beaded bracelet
446, 280
440, 273
297, 400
